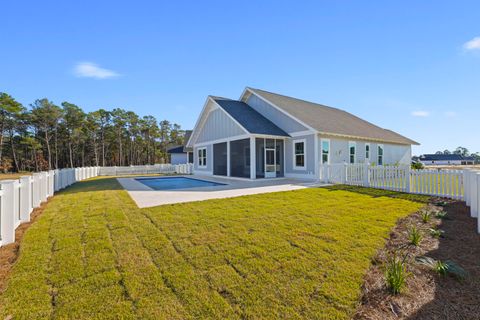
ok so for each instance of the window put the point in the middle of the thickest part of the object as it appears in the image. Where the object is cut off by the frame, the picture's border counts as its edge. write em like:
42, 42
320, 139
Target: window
325, 151
367, 152
380, 155
299, 154
351, 150
202, 157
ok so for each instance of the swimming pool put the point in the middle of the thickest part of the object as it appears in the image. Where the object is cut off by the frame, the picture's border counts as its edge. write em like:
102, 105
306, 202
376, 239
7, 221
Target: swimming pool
173, 183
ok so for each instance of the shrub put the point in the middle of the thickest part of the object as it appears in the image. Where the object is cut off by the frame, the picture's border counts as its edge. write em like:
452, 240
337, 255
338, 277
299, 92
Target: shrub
443, 267
417, 165
426, 215
441, 214
396, 274
414, 236
436, 233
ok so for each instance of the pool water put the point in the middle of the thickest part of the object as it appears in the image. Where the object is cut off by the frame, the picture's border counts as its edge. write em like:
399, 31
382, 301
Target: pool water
176, 183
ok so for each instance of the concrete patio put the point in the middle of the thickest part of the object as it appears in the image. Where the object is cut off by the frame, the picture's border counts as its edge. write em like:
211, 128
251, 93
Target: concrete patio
147, 197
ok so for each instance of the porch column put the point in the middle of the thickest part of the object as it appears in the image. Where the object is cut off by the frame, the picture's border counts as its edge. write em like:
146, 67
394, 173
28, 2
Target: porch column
228, 158
253, 161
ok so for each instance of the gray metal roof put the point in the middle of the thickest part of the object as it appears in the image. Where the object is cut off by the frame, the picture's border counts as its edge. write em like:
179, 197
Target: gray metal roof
330, 120
248, 118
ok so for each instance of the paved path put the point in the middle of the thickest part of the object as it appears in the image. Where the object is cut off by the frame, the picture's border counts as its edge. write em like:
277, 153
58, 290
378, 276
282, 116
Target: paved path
147, 197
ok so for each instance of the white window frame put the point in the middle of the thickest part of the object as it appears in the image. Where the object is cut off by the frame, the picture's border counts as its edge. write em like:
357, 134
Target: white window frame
199, 158
321, 150
369, 153
350, 144
378, 154
304, 167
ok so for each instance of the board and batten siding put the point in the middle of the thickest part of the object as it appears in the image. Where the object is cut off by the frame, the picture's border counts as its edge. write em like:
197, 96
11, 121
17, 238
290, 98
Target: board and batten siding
218, 125
283, 121
339, 152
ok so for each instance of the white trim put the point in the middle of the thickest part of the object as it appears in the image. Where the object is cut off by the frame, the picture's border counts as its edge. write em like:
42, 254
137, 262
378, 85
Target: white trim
346, 136
228, 114
321, 150
267, 136
304, 167
354, 144
300, 133
206, 143
278, 108
367, 159
204, 115
198, 122
204, 158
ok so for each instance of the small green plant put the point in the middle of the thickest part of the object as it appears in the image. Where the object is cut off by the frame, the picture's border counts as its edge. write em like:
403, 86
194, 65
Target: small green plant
441, 203
436, 233
426, 215
441, 214
417, 165
396, 274
414, 236
443, 267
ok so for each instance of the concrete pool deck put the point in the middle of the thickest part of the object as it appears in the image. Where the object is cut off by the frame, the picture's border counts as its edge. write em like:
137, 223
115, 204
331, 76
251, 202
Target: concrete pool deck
147, 197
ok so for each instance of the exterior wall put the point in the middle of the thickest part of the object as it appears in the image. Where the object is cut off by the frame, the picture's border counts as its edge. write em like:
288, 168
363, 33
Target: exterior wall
309, 158
178, 158
392, 153
218, 126
209, 169
284, 122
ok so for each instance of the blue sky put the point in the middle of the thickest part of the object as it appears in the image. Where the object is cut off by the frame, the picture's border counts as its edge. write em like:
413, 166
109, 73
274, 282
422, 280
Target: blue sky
410, 66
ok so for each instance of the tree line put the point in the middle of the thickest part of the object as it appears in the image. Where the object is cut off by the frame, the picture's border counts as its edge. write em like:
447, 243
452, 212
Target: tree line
462, 151
46, 136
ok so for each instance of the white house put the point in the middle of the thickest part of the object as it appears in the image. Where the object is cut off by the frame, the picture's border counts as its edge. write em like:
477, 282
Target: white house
267, 135
181, 154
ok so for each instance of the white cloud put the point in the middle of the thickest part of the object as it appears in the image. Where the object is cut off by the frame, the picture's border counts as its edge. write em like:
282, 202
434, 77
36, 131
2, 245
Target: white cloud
450, 114
473, 44
92, 70
420, 113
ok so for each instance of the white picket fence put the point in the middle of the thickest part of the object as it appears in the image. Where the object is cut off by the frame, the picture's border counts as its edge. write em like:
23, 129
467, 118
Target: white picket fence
147, 169
453, 184
19, 197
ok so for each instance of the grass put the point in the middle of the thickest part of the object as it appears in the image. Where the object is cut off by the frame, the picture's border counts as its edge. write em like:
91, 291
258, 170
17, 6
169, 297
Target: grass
297, 254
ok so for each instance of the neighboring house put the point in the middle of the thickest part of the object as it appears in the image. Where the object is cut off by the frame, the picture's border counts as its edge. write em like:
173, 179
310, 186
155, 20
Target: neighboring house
266, 135
446, 159
181, 154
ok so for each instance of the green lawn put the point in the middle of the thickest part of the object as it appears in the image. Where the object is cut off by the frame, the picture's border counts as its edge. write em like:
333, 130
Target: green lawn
298, 254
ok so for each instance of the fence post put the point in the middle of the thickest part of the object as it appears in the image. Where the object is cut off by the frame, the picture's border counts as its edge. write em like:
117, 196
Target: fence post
25, 198
344, 173
407, 178
7, 215
473, 194
366, 175
466, 186
478, 201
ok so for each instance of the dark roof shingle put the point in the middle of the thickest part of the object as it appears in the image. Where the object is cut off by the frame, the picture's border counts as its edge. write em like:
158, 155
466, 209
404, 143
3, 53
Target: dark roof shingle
248, 118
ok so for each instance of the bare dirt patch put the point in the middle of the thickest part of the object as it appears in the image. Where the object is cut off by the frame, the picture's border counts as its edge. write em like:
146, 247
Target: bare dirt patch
9, 253
428, 295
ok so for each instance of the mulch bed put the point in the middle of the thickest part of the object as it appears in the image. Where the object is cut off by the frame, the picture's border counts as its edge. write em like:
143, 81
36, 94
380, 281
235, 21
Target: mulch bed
428, 295
9, 253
